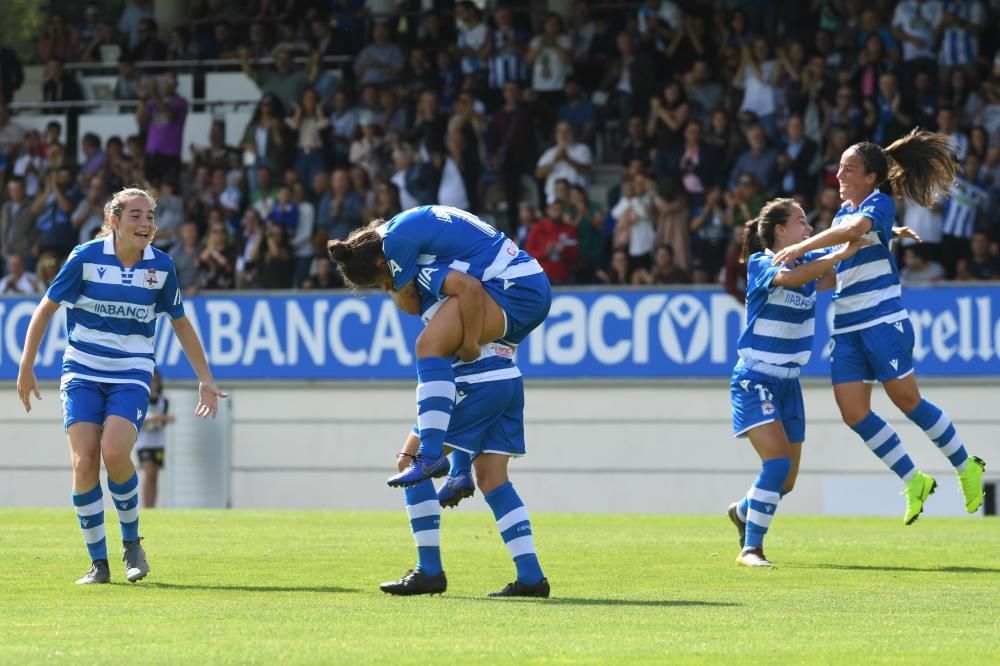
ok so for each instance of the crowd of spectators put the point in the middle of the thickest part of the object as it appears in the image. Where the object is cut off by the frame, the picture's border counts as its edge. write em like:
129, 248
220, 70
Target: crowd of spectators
705, 108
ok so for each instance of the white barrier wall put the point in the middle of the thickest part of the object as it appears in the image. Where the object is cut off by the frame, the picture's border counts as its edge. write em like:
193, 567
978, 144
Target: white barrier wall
594, 447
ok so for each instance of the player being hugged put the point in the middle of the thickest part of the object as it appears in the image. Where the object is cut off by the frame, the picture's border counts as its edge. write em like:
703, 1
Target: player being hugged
776, 343
487, 426
872, 335
114, 287
500, 293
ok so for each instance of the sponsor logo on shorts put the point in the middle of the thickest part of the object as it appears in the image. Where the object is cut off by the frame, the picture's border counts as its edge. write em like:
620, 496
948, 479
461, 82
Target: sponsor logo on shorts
895, 364
899, 326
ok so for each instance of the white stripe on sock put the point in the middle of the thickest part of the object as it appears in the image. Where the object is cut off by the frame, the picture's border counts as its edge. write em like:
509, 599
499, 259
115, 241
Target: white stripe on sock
521, 546
129, 515
511, 518
127, 496
938, 428
93, 534
440, 389
433, 421
428, 538
759, 518
894, 455
881, 437
423, 509
90, 509
766, 496
954, 444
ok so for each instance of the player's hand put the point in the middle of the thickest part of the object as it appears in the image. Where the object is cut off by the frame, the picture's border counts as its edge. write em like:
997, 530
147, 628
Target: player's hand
208, 400
469, 352
906, 232
26, 386
787, 256
858, 243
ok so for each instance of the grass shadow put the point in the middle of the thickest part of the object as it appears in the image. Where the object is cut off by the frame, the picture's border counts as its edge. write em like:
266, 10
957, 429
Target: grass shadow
323, 589
878, 567
580, 601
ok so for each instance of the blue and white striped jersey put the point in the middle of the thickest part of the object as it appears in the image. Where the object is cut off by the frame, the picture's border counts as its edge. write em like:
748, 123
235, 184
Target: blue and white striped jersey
868, 291
958, 45
781, 321
444, 235
111, 312
965, 203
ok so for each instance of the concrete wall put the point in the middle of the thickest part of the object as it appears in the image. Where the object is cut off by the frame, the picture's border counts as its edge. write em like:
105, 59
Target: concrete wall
652, 447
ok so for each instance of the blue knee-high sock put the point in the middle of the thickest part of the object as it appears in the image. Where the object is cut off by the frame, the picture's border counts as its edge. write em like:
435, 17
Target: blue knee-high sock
461, 463
90, 512
939, 428
425, 521
884, 442
515, 528
763, 498
126, 497
435, 401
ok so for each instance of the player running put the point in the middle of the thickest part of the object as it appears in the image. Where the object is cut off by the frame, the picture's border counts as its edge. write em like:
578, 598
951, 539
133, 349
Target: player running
872, 335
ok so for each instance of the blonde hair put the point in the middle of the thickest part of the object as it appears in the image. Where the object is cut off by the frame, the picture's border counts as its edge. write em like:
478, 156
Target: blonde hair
116, 204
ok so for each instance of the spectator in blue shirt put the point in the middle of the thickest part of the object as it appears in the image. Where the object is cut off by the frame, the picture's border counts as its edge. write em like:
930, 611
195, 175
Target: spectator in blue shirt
578, 112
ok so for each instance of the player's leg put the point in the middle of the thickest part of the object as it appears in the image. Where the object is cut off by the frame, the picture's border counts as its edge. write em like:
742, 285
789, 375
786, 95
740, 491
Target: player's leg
127, 404
504, 439
424, 514
938, 427
852, 370
83, 412
435, 346
771, 444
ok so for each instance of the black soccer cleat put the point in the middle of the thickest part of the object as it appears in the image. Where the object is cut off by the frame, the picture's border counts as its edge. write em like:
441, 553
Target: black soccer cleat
416, 582
741, 525
519, 589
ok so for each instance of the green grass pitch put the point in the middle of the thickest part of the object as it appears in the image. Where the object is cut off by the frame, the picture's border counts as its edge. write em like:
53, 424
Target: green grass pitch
302, 587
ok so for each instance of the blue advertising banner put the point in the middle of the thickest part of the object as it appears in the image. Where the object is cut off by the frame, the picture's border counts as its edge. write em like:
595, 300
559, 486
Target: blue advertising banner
603, 333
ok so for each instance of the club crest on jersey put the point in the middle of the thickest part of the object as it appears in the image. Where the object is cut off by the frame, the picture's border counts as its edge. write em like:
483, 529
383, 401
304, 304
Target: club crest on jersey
394, 267
151, 280
767, 408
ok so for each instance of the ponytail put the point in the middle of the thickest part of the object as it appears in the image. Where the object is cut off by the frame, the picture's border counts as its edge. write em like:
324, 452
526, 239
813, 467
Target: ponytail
918, 166
923, 166
760, 230
357, 257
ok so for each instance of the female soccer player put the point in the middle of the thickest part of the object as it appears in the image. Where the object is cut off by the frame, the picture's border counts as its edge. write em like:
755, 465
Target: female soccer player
872, 334
487, 426
115, 287
777, 341
500, 293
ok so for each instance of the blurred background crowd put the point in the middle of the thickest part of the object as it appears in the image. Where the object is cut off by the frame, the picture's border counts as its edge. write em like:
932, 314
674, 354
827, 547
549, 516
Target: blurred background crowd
618, 142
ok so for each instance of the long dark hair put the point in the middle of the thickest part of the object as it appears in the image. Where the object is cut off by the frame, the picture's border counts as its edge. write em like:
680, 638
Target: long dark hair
918, 166
760, 230
357, 256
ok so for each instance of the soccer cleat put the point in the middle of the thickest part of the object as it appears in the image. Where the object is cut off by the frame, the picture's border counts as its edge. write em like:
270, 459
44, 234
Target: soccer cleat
753, 557
971, 481
134, 557
456, 489
519, 589
741, 525
918, 489
421, 468
416, 582
99, 573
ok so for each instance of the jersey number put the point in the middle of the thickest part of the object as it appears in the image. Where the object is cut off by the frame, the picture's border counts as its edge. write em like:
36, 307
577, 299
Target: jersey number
448, 213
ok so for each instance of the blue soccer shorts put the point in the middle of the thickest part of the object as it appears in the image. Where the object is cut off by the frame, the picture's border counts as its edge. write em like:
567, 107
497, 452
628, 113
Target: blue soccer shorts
758, 399
525, 301
878, 353
93, 402
488, 418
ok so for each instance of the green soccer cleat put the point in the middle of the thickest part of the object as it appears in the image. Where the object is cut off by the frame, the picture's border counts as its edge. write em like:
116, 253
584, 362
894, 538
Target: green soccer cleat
971, 481
918, 489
